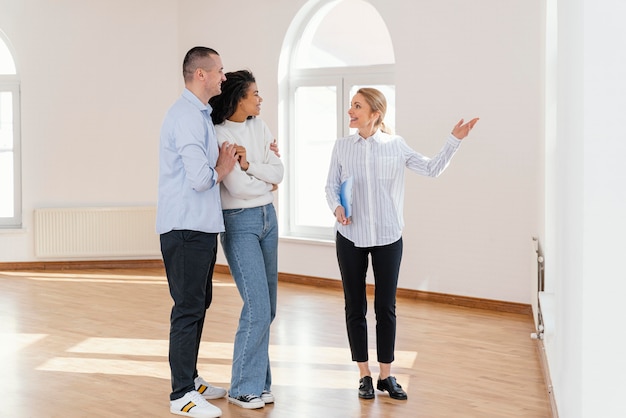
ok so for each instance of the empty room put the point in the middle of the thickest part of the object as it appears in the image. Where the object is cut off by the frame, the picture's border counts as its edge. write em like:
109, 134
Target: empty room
508, 210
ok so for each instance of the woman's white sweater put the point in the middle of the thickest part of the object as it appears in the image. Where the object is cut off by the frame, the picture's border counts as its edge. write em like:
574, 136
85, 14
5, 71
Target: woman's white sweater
253, 187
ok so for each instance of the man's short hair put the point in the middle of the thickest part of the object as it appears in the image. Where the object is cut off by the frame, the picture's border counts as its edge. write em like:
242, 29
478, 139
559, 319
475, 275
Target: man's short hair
193, 58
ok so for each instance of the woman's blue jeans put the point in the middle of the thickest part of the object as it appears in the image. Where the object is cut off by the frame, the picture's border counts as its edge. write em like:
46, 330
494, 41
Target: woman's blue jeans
250, 244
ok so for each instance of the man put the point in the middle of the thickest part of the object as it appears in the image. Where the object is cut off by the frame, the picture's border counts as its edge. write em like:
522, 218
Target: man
189, 219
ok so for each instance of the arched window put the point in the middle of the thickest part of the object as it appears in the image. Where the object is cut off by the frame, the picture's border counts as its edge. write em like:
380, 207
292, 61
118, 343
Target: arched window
10, 171
332, 49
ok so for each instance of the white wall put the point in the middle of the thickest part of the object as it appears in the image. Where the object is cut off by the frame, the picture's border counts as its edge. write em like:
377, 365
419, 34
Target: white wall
584, 244
97, 79
468, 232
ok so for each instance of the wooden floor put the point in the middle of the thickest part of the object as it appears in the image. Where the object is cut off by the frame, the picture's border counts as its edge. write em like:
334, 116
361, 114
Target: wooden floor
93, 343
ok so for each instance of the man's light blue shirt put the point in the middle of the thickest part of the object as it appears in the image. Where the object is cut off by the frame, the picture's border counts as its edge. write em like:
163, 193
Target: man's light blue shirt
189, 195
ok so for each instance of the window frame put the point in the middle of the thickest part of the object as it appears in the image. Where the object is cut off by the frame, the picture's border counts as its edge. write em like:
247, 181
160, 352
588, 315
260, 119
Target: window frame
10, 83
291, 77
343, 78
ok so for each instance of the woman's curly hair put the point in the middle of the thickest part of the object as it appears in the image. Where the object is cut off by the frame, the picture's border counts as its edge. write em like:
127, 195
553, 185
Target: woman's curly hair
234, 89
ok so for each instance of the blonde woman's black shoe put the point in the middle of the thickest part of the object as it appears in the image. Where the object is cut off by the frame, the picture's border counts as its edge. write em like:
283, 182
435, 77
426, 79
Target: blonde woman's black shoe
366, 388
390, 385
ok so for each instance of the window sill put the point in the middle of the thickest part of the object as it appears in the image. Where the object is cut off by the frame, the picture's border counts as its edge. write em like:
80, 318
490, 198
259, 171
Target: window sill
307, 240
13, 230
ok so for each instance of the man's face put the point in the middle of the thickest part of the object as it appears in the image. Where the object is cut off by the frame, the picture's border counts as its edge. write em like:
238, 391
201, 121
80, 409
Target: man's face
212, 74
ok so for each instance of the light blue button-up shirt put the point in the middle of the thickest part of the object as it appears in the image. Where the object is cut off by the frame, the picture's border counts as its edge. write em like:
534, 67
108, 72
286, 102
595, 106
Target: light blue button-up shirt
189, 196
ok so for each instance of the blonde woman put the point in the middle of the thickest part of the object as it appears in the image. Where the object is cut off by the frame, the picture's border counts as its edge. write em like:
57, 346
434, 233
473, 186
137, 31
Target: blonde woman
375, 160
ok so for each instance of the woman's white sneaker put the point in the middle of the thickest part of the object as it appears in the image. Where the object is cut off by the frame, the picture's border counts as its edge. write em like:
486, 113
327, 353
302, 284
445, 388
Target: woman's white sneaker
194, 405
267, 397
207, 390
247, 401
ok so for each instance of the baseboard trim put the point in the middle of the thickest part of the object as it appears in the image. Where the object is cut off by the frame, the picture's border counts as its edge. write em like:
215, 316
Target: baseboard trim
465, 301
468, 302
81, 265
545, 369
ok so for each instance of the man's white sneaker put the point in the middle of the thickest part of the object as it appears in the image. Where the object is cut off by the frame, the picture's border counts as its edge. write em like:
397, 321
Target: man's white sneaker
267, 397
247, 401
194, 405
207, 390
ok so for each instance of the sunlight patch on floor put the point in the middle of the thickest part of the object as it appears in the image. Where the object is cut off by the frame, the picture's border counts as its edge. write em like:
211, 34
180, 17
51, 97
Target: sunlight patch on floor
224, 351
300, 376
298, 365
12, 342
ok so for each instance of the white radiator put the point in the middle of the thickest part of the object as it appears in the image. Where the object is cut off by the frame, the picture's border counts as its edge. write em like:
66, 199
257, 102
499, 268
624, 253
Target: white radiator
96, 232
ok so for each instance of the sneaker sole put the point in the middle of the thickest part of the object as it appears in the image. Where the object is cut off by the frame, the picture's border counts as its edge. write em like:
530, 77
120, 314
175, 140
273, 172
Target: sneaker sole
213, 396
267, 398
199, 415
246, 405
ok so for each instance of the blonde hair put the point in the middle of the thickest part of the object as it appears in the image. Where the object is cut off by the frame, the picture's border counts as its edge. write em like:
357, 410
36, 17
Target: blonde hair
377, 101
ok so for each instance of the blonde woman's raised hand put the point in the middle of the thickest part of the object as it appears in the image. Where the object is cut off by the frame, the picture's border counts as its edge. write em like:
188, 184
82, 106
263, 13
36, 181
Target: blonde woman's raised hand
461, 130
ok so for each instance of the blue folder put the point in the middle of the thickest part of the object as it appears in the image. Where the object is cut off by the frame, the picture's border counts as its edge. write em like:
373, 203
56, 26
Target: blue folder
345, 196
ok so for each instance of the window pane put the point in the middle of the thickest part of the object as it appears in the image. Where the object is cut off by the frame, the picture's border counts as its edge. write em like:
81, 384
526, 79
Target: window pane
332, 39
6, 155
315, 135
7, 65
